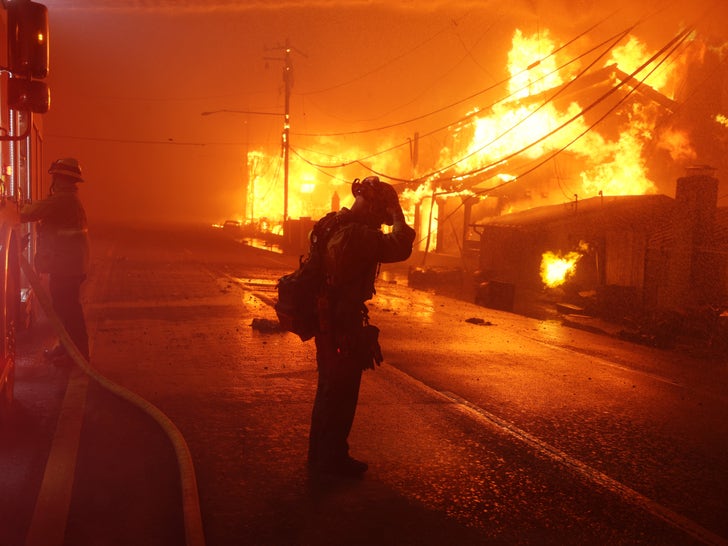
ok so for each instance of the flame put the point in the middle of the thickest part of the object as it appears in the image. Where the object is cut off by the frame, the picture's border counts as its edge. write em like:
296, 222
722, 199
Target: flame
614, 165
677, 143
633, 54
623, 170
556, 269
424, 198
602, 162
532, 69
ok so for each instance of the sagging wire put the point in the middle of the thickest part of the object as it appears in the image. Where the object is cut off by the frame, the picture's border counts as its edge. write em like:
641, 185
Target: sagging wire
360, 161
674, 43
533, 112
377, 69
677, 40
496, 85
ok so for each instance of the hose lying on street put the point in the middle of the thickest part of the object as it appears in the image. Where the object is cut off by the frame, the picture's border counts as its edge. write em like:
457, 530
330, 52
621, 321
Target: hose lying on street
194, 535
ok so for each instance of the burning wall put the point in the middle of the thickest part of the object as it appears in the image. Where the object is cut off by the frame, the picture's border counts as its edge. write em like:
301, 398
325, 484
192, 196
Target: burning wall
636, 253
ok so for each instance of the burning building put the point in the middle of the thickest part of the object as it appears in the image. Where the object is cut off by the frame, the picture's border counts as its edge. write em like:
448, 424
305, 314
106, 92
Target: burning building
633, 254
576, 155
568, 182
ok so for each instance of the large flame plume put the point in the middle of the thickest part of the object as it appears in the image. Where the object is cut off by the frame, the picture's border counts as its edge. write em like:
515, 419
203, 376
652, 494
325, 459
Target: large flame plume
502, 142
521, 129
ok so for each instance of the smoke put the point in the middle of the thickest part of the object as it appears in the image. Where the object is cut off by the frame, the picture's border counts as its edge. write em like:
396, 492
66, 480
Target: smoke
129, 79
236, 6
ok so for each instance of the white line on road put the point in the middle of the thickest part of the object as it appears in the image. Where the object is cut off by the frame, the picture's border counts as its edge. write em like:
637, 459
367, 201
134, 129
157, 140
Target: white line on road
628, 494
48, 525
481, 415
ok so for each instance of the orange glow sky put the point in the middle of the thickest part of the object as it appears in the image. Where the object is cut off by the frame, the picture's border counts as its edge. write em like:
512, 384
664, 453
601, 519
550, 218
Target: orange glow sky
129, 80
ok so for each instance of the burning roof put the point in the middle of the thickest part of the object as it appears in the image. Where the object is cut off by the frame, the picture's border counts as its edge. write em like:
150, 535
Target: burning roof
645, 211
607, 119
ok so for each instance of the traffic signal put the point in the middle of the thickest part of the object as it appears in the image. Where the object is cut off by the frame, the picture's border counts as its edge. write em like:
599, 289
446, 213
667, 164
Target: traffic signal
28, 95
28, 39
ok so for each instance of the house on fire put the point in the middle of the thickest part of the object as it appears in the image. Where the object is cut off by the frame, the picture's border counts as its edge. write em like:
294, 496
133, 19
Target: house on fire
638, 253
641, 250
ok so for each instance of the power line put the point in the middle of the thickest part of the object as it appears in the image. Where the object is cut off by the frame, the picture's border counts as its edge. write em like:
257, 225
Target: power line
378, 68
168, 142
500, 83
532, 113
612, 39
672, 46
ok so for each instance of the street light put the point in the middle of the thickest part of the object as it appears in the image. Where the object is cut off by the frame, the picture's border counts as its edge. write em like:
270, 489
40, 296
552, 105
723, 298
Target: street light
286, 145
242, 112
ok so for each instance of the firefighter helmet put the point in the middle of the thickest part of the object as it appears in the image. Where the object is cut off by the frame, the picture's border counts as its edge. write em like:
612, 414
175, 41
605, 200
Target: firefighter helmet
380, 194
68, 166
373, 189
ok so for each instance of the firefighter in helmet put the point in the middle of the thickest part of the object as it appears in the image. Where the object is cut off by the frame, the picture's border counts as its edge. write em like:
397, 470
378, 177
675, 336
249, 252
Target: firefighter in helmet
63, 251
347, 344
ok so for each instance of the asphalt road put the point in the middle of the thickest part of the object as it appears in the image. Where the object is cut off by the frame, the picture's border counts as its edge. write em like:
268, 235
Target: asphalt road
502, 430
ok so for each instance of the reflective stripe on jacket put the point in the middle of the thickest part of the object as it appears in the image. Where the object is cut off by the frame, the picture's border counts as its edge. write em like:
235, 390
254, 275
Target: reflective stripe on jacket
62, 231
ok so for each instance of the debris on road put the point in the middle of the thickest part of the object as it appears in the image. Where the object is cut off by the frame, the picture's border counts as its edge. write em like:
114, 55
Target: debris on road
479, 321
266, 325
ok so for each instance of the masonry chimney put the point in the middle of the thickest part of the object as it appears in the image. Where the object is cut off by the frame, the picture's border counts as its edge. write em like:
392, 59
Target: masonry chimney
698, 194
690, 275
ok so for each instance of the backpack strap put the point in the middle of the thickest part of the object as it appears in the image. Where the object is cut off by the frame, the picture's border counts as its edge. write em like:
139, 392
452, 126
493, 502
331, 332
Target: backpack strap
325, 228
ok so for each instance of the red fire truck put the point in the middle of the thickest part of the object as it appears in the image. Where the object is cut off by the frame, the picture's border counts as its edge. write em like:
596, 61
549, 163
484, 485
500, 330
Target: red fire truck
23, 96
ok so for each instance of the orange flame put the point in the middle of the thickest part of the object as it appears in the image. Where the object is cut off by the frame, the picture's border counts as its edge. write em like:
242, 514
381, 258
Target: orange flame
600, 164
610, 166
633, 54
556, 269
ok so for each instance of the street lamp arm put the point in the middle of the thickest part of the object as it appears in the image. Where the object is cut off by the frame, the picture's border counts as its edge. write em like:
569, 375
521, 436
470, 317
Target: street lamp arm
280, 114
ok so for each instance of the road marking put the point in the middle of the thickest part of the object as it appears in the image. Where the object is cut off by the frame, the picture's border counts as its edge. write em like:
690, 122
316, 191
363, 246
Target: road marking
50, 515
48, 526
604, 361
628, 494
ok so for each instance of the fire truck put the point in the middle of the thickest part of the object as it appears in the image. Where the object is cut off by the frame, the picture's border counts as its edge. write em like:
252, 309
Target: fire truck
24, 97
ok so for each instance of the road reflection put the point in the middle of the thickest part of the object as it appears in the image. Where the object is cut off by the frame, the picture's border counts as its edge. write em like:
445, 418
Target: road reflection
415, 304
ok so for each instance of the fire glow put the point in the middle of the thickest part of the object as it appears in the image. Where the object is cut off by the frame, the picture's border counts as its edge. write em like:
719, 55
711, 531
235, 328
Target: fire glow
556, 269
503, 140
531, 126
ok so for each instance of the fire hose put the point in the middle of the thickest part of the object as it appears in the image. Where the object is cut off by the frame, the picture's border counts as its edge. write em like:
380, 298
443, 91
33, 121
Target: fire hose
194, 535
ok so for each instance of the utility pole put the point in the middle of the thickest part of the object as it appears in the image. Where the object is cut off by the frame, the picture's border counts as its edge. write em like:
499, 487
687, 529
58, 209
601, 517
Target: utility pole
286, 137
288, 80
246, 177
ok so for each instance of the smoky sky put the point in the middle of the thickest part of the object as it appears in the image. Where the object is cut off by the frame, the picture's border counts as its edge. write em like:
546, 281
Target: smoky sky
130, 79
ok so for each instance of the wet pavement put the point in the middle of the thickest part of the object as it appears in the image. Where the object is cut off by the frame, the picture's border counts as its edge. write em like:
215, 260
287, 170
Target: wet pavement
507, 431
